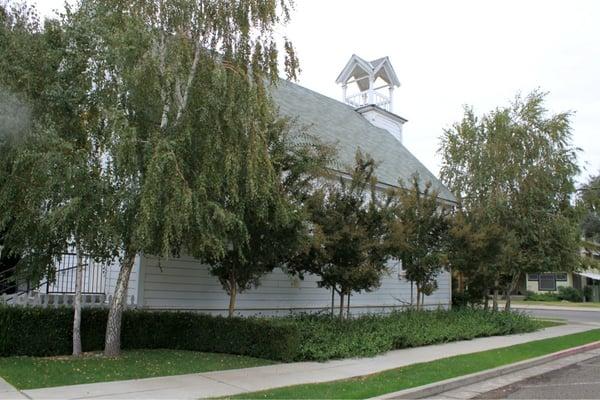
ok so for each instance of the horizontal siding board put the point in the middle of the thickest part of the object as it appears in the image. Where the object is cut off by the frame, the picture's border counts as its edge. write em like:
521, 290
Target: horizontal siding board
185, 283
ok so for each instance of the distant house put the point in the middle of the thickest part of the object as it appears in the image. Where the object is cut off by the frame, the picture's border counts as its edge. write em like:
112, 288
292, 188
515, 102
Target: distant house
363, 120
547, 282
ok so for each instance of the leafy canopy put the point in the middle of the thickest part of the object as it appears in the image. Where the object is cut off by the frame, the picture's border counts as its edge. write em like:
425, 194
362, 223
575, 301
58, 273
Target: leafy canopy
513, 170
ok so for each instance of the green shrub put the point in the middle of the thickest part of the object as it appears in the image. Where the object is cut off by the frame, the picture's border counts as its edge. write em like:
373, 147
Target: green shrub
47, 331
35, 331
548, 296
570, 294
588, 293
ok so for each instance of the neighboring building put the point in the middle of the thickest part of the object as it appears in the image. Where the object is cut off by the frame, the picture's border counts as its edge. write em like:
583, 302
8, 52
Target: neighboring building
548, 282
551, 282
365, 121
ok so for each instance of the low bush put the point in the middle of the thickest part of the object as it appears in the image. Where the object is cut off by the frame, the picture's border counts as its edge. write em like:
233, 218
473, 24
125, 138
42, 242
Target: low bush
47, 331
35, 331
588, 293
533, 296
570, 294
324, 338
565, 293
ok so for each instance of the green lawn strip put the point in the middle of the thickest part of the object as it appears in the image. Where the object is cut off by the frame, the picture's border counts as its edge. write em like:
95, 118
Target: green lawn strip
557, 303
38, 372
424, 373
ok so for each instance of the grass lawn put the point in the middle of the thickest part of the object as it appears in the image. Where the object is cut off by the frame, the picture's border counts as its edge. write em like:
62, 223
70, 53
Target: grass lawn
424, 373
37, 372
557, 303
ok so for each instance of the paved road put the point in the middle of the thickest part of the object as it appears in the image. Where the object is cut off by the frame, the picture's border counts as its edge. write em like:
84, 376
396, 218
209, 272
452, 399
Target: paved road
578, 381
575, 317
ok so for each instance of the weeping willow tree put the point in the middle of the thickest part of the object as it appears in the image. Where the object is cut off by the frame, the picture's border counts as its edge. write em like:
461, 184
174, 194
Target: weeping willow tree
185, 119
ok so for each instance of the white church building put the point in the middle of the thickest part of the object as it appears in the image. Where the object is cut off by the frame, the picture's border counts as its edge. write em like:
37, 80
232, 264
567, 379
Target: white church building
365, 120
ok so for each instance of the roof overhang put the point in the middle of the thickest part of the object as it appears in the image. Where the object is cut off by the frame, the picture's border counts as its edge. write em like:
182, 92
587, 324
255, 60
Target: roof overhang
389, 114
588, 274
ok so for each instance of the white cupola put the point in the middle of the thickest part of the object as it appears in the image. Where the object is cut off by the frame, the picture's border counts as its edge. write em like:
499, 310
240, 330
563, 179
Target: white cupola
368, 86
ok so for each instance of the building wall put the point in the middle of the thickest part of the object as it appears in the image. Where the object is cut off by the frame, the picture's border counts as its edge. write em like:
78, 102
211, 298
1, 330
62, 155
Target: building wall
185, 283
381, 121
532, 286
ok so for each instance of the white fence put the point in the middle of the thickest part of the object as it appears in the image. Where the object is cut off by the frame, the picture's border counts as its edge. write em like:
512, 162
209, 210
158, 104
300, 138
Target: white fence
59, 300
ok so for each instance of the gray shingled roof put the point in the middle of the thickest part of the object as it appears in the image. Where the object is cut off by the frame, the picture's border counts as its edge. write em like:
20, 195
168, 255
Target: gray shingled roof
337, 123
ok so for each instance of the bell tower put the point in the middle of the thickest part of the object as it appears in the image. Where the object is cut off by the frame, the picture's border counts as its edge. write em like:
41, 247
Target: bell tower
368, 86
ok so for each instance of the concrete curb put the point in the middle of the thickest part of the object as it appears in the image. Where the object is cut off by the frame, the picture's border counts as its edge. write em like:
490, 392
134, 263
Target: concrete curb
435, 388
552, 308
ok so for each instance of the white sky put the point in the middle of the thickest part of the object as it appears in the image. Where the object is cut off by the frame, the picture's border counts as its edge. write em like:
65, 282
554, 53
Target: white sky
450, 53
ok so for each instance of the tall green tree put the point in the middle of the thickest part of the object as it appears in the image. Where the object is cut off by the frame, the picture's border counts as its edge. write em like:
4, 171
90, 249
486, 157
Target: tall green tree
275, 237
589, 203
473, 244
346, 248
185, 116
418, 235
53, 196
518, 164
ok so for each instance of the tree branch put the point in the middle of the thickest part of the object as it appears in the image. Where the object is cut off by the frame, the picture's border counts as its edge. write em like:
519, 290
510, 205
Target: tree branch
184, 99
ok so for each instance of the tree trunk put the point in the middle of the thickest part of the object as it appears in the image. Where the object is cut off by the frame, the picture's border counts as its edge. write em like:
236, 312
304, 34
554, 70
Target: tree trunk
486, 301
332, 301
423, 300
232, 294
495, 296
112, 344
77, 304
411, 294
513, 284
341, 305
418, 297
348, 306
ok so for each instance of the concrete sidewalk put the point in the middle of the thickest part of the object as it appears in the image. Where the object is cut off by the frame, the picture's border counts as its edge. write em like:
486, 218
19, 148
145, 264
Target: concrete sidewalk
9, 392
231, 382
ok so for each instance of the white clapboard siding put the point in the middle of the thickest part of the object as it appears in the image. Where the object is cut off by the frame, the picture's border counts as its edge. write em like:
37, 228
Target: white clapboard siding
185, 283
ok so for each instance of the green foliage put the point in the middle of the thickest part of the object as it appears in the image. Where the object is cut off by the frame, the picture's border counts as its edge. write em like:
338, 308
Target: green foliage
513, 170
564, 293
324, 338
346, 247
589, 203
418, 234
53, 192
306, 337
151, 131
569, 293
534, 296
274, 236
256, 337
588, 293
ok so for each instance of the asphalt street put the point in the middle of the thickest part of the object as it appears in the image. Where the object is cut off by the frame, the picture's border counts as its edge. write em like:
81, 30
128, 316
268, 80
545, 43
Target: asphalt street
578, 381
574, 317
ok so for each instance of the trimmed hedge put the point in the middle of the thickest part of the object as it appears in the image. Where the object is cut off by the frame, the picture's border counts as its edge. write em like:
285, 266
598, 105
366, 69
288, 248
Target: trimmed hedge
34, 331
47, 332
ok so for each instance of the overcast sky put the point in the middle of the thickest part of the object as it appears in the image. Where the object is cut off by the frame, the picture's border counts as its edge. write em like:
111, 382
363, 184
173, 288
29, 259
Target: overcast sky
450, 53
